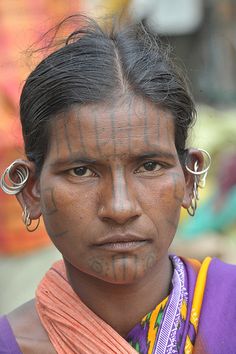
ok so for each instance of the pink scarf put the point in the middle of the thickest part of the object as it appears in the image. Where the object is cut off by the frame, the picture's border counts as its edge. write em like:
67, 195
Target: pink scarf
71, 326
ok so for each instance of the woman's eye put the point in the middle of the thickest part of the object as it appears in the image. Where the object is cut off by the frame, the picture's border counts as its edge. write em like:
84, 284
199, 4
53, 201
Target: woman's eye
82, 171
149, 166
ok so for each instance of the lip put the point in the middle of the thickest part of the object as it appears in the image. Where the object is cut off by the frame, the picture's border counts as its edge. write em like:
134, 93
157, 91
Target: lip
122, 242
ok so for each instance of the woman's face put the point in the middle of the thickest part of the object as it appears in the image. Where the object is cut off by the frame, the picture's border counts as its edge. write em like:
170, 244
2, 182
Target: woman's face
111, 188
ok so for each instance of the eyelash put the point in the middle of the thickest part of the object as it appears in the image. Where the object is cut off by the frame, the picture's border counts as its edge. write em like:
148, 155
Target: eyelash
155, 163
72, 172
137, 171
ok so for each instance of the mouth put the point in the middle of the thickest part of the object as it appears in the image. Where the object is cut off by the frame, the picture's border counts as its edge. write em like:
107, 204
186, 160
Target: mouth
122, 242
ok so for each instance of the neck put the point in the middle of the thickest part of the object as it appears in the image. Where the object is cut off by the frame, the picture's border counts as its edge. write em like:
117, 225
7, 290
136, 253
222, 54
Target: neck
111, 301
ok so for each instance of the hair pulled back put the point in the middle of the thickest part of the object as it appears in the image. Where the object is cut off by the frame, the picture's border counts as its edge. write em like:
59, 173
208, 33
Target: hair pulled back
92, 67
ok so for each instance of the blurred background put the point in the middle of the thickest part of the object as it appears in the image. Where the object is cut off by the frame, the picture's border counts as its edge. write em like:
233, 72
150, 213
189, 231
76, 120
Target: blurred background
203, 36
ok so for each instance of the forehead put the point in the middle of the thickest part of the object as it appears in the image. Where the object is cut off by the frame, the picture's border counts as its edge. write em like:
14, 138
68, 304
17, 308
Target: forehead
126, 127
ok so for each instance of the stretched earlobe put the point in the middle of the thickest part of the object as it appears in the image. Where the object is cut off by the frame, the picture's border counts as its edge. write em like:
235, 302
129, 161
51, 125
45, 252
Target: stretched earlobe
28, 221
19, 179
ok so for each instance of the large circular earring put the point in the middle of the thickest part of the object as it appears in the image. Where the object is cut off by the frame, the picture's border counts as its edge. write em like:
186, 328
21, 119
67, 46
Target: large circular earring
199, 181
8, 185
28, 221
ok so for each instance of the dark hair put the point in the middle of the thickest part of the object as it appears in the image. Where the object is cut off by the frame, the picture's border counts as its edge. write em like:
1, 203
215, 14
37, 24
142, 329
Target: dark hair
93, 66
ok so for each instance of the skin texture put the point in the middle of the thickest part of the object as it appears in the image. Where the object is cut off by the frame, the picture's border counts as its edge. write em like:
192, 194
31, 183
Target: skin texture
113, 171
115, 195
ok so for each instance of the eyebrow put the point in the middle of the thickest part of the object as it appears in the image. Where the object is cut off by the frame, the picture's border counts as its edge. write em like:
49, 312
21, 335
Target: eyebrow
156, 154
73, 159
82, 159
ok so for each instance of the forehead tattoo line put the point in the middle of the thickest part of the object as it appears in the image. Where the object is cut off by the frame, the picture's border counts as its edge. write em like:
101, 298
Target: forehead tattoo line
55, 134
67, 136
169, 121
129, 123
80, 133
96, 131
113, 129
59, 125
145, 128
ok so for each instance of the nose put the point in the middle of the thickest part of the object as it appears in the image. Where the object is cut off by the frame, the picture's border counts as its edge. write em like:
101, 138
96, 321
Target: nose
118, 201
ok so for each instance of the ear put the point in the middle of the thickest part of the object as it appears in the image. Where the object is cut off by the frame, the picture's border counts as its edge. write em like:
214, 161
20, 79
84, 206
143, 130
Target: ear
193, 155
29, 197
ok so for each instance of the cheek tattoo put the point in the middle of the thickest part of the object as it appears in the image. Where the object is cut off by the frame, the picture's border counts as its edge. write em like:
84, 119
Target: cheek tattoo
51, 207
50, 210
178, 197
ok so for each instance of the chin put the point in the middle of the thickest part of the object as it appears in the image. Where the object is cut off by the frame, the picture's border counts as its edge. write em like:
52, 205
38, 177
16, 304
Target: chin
123, 271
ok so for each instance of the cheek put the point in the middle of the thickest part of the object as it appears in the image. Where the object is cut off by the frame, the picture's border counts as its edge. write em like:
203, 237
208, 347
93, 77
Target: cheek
66, 211
167, 193
172, 191
171, 199
164, 205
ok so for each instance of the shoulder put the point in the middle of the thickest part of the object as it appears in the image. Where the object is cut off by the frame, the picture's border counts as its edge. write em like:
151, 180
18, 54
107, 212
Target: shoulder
220, 273
28, 330
220, 288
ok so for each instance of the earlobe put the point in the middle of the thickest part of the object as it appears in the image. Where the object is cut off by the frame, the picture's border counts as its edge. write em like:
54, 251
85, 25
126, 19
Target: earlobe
188, 190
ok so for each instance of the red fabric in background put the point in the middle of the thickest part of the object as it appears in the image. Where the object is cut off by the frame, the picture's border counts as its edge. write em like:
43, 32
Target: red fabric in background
21, 24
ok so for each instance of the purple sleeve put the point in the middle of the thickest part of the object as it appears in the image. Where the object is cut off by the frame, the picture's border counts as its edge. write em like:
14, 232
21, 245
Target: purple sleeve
8, 344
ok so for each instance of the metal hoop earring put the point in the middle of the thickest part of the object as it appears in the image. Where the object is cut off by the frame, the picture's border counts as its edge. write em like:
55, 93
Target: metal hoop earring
8, 185
28, 221
202, 175
199, 181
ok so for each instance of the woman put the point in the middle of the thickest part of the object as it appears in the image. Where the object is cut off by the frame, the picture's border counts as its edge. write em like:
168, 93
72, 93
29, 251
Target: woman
105, 121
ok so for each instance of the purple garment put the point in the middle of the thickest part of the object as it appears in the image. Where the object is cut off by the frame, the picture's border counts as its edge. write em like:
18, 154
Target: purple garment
8, 344
217, 325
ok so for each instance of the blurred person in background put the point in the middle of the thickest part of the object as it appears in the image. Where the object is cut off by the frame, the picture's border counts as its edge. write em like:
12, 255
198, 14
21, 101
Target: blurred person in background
105, 120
